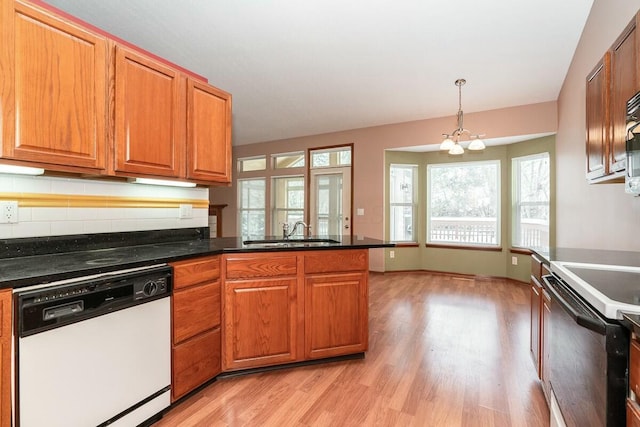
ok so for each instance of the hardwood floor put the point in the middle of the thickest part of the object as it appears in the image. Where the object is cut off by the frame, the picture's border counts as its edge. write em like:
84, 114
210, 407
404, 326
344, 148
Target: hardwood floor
443, 351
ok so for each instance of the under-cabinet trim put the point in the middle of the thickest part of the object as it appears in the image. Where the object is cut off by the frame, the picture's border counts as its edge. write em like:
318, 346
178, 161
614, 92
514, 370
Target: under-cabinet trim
38, 200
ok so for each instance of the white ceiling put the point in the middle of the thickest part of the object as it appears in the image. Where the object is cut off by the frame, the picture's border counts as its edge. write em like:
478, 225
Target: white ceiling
305, 67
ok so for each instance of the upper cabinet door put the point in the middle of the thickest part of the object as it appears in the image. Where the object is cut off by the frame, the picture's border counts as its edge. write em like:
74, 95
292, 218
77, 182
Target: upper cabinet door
149, 117
53, 90
598, 119
208, 133
624, 84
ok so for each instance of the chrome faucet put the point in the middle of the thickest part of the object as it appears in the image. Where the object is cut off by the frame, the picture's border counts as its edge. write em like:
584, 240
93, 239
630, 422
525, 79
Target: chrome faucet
285, 229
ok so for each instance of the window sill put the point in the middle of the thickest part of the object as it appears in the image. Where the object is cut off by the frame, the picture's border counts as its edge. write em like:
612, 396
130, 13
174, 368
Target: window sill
522, 251
465, 247
406, 244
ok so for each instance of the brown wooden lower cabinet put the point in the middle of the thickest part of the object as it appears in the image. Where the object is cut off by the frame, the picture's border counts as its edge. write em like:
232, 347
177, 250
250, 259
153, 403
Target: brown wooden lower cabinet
195, 362
293, 306
536, 324
336, 315
261, 320
196, 312
5, 358
633, 414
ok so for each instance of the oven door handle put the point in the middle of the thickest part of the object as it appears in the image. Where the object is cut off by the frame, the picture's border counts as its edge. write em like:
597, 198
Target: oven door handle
582, 314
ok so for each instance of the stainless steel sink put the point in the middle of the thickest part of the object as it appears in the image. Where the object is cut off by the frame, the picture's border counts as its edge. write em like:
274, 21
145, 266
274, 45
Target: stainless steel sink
275, 243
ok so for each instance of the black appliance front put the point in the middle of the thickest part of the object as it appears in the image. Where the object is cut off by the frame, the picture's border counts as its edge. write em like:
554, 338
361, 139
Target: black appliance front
587, 361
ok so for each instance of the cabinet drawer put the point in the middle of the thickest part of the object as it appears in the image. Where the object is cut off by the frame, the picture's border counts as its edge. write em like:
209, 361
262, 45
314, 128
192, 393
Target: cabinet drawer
536, 267
260, 266
336, 261
195, 362
191, 272
634, 368
195, 310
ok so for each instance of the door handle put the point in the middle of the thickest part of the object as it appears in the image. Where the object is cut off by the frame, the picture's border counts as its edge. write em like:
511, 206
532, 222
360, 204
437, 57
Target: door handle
346, 226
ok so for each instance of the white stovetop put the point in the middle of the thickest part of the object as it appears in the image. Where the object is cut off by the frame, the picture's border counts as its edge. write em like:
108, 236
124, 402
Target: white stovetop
608, 307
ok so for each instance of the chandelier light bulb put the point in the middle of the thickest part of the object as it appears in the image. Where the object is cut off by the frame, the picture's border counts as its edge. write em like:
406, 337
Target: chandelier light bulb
447, 144
476, 145
456, 150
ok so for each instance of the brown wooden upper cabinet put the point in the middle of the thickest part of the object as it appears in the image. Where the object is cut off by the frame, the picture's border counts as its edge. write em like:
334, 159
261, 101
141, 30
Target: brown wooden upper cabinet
611, 83
53, 92
74, 100
208, 133
149, 116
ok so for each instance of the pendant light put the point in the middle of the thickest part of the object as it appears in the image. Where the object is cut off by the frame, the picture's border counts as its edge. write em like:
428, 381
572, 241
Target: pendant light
451, 141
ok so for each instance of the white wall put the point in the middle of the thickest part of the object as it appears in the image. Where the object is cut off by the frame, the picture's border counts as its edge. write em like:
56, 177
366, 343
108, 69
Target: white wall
57, 220
591, 216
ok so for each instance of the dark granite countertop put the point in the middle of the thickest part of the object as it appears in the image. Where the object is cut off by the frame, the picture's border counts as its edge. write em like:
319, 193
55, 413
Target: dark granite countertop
589, 256
25, 266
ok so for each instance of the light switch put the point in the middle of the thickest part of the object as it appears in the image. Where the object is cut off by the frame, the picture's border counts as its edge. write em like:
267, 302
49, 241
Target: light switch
360, 211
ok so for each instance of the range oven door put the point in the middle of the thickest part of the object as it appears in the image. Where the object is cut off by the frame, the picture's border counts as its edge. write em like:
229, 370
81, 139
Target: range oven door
587, 361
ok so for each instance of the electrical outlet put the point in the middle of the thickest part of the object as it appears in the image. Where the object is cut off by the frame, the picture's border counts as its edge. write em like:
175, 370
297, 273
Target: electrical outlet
9, 212
185, 211
392, 254
514, 260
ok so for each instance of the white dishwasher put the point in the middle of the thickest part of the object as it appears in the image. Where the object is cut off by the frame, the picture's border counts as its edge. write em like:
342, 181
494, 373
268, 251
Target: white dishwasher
94, 350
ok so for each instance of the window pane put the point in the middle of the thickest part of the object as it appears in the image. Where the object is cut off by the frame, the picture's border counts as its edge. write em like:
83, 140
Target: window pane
401, 224
331, 157
288, 202
252, 164
292, 160
531, 177
464, 203
251, 207
402, 202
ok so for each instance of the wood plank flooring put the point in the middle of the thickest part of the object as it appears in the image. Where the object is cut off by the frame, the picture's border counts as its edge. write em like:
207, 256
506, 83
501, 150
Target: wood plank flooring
443, 351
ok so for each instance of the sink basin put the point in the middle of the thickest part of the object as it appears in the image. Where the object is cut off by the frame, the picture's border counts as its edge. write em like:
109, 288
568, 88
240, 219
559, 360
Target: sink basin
266, 243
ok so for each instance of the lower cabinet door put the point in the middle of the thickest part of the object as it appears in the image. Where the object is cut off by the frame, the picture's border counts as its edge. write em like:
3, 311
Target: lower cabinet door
633, 414
195, 362
336, 315
261, 322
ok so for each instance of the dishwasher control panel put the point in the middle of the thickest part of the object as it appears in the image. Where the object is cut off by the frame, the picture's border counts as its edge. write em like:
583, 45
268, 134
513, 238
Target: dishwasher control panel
62, 304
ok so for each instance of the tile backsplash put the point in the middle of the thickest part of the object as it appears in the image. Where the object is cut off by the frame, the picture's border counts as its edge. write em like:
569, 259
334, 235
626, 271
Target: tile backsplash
77, 206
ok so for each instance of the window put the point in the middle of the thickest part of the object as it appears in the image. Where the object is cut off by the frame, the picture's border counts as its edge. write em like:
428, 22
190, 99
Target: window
288, 202
290, 160
251, 207
464, 203
402, 202
331, 157
531, 195
250, 164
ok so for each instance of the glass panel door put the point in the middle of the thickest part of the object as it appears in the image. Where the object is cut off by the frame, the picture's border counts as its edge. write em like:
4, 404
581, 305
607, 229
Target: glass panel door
330, 209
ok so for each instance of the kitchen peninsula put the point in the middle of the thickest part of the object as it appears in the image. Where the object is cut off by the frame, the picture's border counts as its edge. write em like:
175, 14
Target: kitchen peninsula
235, 305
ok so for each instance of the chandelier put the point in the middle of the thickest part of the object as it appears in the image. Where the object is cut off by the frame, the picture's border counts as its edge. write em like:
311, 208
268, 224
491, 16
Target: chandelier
451, 141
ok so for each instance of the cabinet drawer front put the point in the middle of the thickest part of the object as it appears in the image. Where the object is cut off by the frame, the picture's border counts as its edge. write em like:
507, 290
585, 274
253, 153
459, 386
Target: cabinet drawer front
195, 310
191, 272
536, 267
634, 368
339, 260
195, 362
261, 266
